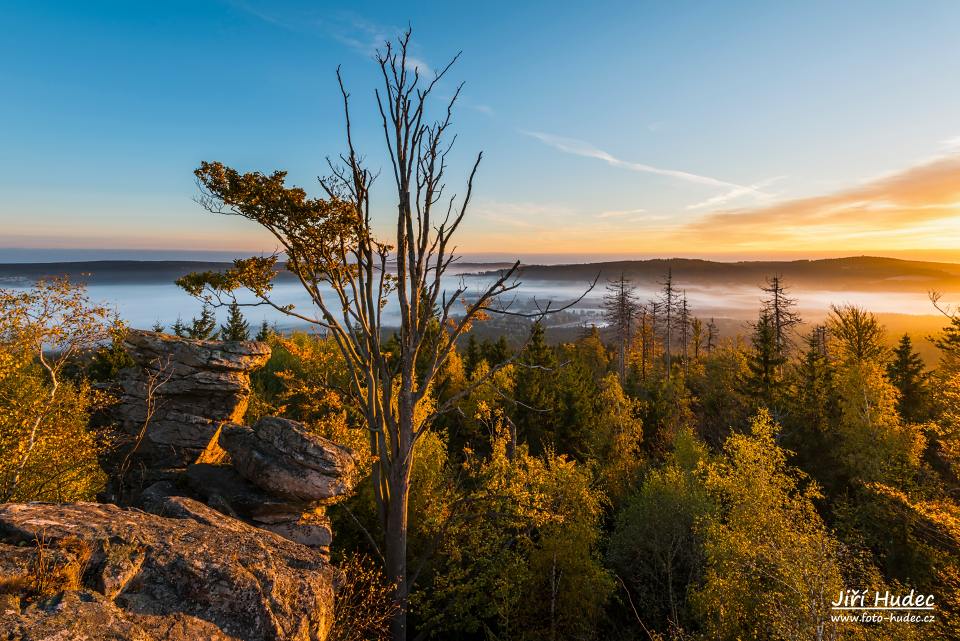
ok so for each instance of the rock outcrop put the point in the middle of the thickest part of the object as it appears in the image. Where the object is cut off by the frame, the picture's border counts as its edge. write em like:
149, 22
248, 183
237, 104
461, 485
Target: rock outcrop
284, 458
188, 573
175, 398
191, 395
281, 478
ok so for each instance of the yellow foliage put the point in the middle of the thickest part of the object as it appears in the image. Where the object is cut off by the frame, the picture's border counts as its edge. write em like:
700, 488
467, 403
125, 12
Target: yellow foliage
47, 451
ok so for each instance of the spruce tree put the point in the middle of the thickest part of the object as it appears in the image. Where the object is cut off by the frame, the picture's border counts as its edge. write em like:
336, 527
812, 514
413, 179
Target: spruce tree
204, 327
765, 362
179, 329
646, 342
814, 411
683, 327
696, 337
906, 372
158, 327
265, 331
496, 352
536, 394
472, 355
237, 327
816, 401
668, 302
783, 319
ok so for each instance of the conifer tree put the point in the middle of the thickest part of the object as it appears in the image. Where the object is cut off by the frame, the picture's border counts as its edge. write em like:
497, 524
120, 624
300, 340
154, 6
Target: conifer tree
237, 327
906, 372
158, 327
783, 317
265, 331
496, 352
696, 337
656, 320
620, 308
472, 356
765, 363
204, 327
814, 410
180, 329
536, 394
646, 341
683, 327
668, 302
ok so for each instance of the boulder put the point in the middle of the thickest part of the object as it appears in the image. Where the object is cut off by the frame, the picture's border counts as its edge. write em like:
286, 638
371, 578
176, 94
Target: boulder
190, 573
307, 449
285, 459
311, 529
225, 490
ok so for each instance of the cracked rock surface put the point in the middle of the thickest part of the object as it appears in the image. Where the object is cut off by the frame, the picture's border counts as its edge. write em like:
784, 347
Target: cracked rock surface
188, 572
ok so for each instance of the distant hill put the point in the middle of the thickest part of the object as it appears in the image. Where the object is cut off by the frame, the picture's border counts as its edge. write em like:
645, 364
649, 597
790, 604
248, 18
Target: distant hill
863, 273
141, 272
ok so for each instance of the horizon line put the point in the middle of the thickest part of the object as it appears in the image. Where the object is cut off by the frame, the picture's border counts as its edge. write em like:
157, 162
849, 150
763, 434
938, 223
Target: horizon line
88, 254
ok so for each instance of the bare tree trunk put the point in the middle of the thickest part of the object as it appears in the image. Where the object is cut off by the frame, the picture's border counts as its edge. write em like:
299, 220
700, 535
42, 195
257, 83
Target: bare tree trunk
396, 549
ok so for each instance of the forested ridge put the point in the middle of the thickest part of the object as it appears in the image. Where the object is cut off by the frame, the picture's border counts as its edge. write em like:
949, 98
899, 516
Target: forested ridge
622, 485
864, 273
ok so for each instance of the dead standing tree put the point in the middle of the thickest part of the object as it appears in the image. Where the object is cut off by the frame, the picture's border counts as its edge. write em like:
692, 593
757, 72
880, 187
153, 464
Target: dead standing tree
620, 310
330, 247
780, 306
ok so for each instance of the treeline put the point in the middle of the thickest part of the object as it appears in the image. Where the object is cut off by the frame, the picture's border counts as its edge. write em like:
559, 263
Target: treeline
634, 483
204, 326
651, 481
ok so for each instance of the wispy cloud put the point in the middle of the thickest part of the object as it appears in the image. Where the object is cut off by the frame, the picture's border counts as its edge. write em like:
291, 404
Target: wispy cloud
898, 205
732, 191
354, 32
486, 110
268, 17
521, 214
619, 213
951, 143
588, 150
737, 192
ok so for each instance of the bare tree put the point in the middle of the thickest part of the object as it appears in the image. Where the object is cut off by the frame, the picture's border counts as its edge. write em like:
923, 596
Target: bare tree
351, 277
620, 310
645, 342
780, 306
655, 322
696, 337
157, 375
712, 334
683, 325
668, 303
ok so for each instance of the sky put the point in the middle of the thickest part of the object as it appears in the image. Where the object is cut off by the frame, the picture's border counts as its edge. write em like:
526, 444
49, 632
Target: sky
629, 129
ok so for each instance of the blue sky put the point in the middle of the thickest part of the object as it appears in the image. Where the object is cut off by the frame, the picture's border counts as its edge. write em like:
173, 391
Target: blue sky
635, 128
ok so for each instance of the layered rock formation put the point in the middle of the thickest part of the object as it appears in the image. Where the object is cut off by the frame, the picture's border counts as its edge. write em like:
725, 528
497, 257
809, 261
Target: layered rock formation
191, 396
192, 573
175, 398
248, 563
281, 478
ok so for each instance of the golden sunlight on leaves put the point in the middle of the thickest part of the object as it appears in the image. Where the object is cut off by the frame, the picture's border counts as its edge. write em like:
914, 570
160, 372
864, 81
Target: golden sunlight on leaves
46, 449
